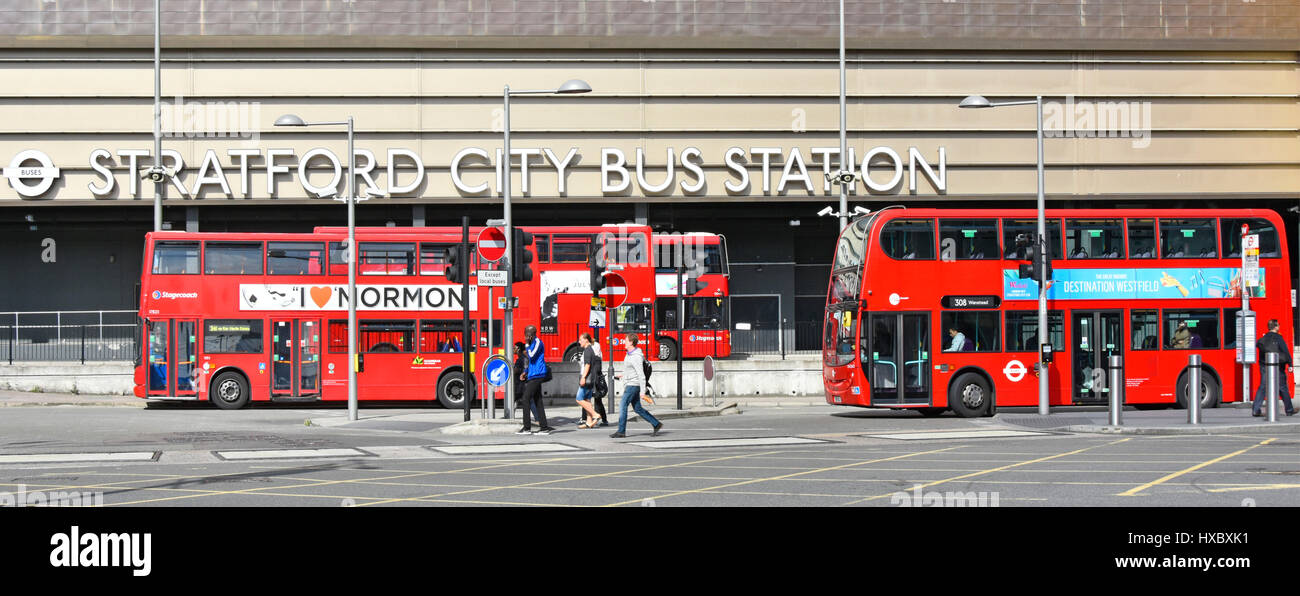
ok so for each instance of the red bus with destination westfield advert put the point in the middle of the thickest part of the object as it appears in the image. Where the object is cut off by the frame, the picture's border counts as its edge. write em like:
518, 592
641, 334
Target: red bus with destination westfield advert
707, 329
239, 317
926, 309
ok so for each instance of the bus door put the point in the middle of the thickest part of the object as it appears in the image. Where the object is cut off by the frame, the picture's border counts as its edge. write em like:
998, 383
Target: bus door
899, 360
1095, 336
295, 358
171, 356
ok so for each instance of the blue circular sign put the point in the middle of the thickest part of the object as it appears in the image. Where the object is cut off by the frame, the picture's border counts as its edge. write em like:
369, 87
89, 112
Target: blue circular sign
497, 370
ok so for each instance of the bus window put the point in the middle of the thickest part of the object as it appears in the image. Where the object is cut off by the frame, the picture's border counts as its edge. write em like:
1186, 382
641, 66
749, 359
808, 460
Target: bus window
1029, 228
295, 258
175, 258
632, 318
1094, 238
338, 263
570, 248
232, 336
442, 336
1230, 325
433, 257
232, 258
630, 249
386, 258
1232, 236
1191, 329
542, 242
908, 239
1187, 239
1141, 238
1022, 330
1146, 329
378, 337
979, 330
962, 239
852, 245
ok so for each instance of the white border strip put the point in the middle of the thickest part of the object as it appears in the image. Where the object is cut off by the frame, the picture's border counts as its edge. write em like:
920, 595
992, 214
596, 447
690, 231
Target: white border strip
289, 453
750, 442
48, 458
504, 448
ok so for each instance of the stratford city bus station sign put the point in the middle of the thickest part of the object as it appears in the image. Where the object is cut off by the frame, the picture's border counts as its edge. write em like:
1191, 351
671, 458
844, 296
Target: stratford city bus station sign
268, 173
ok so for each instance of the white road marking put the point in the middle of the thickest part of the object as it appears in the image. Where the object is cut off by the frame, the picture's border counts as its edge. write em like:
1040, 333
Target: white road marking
504, 448
751, 442
398, 451
45, 458
957, 434
289, 453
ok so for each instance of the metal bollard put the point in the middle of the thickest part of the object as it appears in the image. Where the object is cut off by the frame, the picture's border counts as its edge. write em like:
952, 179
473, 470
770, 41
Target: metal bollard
1193, 388
1270, 384
1116, 390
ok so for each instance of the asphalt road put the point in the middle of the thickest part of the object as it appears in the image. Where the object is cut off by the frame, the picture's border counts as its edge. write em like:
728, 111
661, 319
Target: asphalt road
809, 456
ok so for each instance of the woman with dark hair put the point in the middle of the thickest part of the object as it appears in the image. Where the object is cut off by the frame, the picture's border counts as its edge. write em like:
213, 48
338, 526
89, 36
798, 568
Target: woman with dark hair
588, 373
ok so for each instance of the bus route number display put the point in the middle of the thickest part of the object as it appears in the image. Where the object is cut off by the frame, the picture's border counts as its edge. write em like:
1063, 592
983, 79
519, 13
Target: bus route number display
971, 301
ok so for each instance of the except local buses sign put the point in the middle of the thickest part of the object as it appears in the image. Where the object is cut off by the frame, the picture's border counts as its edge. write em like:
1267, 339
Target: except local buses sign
475, 171
371, 297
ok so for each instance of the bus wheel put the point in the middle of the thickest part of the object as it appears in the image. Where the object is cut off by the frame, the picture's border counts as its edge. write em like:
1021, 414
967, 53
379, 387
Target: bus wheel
1209, 391
667, 349
931, 412
229, 391
573, 354
451, 390
969, 396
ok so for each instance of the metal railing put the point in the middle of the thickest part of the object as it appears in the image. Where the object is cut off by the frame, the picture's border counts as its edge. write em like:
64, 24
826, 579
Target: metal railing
803, 337
68, 336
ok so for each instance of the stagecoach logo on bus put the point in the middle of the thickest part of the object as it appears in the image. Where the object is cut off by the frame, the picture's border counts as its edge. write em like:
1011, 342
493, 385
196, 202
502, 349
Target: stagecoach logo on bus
161, 295
1132, 284
371, 297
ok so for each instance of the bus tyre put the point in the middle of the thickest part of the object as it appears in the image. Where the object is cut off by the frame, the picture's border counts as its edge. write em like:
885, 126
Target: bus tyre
229, 391
451, 390
1210, 391
969, 396
573, 354
667, 349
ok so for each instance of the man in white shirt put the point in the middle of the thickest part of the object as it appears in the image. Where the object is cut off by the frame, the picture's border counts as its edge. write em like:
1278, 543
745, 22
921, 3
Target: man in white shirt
958, 340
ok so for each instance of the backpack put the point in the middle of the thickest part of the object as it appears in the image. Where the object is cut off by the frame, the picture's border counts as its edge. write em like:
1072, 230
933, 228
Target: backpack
646, 369
599, 388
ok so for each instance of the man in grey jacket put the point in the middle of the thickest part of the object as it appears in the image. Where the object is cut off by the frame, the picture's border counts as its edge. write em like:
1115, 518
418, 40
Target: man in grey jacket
634, 384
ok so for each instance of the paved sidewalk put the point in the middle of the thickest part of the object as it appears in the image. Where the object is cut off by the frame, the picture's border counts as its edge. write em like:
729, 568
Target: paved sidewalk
1157, 422
23, 398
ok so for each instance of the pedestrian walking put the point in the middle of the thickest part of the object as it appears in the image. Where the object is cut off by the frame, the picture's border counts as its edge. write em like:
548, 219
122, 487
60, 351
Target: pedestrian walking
536, 373
1273, 342
634, 384
589, 372
521, 370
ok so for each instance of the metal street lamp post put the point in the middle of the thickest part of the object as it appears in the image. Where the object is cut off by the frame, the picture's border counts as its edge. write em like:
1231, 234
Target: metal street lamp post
157, 114
569, 87
350, 199
978, 101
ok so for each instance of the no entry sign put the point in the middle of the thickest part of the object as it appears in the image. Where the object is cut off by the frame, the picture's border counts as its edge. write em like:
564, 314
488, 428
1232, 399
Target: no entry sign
491, 244
615, 290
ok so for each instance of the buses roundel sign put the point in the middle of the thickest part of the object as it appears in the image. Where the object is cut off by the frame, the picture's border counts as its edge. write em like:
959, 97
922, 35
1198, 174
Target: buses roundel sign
491, 244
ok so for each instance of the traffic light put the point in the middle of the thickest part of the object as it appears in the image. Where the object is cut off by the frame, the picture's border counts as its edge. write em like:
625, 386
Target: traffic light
521, 256
453, 256
596, 267
1031, 269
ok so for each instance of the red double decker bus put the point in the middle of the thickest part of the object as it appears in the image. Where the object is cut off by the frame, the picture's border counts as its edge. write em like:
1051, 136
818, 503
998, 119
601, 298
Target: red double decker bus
926, 310
236, 317
707, 323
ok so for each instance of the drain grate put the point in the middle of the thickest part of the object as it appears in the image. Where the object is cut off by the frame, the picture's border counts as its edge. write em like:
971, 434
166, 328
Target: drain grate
1047, 421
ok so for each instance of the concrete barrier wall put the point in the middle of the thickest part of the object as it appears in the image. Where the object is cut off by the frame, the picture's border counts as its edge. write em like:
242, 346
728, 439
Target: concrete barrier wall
95, 378
798, 377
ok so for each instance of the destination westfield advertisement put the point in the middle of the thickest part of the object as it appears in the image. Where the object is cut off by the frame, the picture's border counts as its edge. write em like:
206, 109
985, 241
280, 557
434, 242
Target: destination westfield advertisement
263, 297
1131, 284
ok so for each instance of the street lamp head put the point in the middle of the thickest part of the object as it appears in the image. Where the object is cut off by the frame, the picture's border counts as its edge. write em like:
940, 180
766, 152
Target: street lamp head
975, 101
290, 120
574, 86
